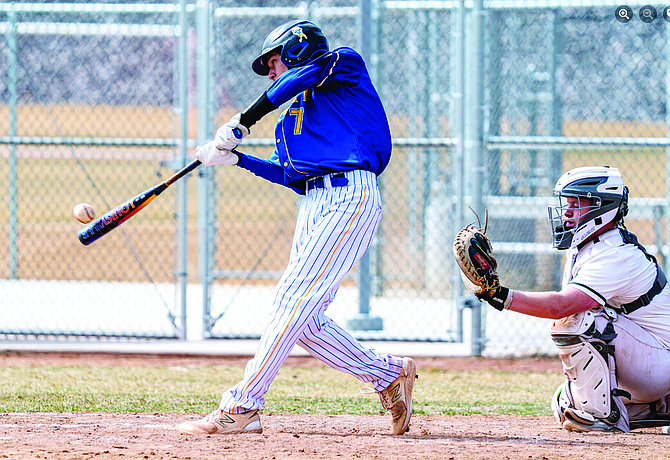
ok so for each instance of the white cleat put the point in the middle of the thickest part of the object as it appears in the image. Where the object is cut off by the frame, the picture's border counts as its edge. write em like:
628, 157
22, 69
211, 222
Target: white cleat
219, 422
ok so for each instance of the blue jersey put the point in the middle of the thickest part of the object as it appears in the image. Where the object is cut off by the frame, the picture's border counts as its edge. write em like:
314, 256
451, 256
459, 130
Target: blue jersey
335, 122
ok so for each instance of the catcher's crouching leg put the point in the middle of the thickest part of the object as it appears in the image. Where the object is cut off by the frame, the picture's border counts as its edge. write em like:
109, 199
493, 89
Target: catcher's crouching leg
589, 399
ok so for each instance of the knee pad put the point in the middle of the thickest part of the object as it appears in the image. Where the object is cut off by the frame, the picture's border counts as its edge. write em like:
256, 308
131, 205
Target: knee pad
587, 365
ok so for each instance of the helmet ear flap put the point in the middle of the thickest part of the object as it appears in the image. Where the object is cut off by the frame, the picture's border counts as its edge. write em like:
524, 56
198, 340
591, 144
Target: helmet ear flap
293, 52
623, 207
305, 44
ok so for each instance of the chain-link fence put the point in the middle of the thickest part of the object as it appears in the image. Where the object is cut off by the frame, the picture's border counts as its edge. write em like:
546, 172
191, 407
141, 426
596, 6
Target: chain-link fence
88, 96
488, 101
569, 87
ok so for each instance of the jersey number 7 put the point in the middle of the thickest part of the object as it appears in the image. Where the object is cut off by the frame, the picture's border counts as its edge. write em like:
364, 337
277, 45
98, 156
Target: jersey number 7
298, 121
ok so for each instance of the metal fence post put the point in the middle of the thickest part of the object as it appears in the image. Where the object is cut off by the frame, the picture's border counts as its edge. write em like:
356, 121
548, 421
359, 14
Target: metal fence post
363, 321
183, 151
475, 141
13, 99
205, 197
457, 112
555, 117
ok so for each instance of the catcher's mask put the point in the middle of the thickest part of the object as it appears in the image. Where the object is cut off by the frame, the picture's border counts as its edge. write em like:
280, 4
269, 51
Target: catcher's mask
600, 197
297, 42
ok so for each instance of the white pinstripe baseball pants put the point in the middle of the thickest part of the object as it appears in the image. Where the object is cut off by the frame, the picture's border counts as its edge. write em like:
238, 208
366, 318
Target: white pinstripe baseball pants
335, 227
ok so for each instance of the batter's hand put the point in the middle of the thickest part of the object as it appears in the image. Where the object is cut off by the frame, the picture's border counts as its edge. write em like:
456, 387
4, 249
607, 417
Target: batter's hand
209, 155
231, 134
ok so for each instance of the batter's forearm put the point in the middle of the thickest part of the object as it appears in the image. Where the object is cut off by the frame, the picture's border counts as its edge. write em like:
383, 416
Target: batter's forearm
265, 169
261, 107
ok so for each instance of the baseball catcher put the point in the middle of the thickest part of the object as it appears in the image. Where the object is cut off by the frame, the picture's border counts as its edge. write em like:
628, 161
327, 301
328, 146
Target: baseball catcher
612, 315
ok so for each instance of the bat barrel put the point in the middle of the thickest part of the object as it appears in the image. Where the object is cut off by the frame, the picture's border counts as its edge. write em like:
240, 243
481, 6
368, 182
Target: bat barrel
125, 211
112, 219
93, 231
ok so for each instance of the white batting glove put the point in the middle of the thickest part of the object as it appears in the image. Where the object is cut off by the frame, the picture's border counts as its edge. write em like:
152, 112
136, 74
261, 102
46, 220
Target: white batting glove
209, 155
227, 135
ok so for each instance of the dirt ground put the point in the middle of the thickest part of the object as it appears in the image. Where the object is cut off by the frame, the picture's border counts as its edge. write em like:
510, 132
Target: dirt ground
155, 436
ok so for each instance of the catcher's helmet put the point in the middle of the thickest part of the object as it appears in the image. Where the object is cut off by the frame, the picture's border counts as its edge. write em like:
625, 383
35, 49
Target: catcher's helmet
608, 202
297, 42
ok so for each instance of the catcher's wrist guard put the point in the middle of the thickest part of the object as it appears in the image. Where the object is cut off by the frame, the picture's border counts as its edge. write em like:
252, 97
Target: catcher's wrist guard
500, 299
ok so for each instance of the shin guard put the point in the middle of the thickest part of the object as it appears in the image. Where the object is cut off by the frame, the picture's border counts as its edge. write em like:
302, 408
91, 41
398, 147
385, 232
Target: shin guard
588, 363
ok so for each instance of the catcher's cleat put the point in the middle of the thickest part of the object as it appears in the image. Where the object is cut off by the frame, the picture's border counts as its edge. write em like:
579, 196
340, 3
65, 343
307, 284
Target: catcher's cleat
219, 422
581, 421
572, 425
397, 397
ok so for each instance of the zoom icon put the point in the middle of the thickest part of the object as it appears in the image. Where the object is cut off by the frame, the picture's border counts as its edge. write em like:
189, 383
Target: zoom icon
623, 13
648, 13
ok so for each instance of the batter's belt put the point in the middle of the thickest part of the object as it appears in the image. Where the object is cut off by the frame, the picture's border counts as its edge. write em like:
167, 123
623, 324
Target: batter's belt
334, 180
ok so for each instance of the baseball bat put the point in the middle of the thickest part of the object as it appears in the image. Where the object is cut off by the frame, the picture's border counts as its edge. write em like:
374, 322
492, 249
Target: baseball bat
125, 211
112, 219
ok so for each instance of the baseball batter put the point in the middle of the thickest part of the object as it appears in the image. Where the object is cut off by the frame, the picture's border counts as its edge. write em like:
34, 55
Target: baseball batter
612, 315
332, 141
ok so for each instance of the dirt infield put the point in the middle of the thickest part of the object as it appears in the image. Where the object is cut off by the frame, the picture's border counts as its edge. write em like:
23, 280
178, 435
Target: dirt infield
154, 436
103, 436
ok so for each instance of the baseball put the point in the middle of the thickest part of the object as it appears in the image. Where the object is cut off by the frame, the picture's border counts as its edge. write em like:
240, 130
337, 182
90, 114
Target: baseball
84, 213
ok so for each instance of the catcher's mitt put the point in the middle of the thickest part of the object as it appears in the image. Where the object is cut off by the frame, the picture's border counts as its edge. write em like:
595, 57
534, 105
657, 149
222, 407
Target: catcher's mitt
474, 254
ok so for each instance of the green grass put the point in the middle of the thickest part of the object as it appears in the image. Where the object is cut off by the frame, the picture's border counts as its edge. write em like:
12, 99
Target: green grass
296, 390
